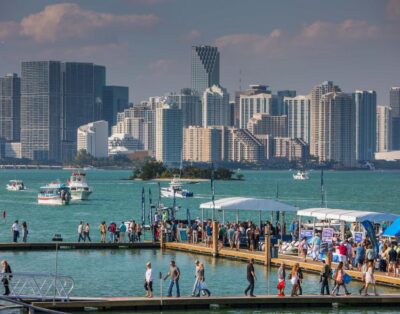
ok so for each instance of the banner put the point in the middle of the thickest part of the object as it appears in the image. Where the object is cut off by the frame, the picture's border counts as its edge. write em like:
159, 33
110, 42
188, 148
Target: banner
358, 236
306, 234
327, 235
369, 228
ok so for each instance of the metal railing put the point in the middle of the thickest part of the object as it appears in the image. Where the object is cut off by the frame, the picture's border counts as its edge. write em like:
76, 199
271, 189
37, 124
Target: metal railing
39, 286
31, 308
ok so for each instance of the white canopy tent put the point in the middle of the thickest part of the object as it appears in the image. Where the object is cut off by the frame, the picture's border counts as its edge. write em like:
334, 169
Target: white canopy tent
247, 204
346, 215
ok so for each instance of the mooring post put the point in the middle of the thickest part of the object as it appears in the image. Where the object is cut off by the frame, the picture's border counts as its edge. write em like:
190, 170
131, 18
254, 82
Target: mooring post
215, 232
267, 246
162, 244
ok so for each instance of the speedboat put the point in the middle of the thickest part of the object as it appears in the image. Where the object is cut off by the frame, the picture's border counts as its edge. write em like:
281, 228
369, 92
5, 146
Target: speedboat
55, 193
175, 189
15, 185
78, 186
301, 175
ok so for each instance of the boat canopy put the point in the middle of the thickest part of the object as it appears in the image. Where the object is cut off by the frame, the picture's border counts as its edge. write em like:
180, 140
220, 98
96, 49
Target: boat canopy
346, 215
249, 204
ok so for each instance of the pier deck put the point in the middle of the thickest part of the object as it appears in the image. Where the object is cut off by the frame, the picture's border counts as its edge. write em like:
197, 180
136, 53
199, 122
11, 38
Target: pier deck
75, 245
187, 303
290, 260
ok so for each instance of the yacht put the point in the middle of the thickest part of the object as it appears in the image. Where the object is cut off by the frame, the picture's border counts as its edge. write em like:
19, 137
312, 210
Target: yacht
175, 189
15, 185
78, 186
301, 175
55, 193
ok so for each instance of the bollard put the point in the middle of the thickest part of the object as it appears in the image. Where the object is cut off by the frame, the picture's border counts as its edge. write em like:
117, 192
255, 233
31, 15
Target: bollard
215, 238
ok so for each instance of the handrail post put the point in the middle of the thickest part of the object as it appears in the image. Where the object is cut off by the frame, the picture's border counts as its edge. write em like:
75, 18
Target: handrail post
267, 246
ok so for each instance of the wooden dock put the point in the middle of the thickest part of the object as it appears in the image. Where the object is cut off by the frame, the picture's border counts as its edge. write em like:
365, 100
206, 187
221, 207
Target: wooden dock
289, 260
215, 302
49, 246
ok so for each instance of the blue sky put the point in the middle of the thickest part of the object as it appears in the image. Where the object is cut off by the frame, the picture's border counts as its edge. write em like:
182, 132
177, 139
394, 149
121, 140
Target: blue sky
146, 44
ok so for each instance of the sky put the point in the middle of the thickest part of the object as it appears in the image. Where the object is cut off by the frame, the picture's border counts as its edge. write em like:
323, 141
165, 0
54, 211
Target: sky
146, 44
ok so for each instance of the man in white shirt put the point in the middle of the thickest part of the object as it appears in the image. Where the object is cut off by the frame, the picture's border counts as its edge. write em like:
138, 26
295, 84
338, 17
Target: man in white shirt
15, 231
80, 232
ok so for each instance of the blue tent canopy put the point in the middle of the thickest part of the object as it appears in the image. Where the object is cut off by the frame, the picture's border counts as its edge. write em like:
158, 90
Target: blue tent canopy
393, 230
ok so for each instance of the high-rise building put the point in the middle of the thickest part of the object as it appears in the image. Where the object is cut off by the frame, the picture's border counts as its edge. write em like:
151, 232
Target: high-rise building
115, 99
279, 106
316, 93
262, 123
298, 113
169, 134
190, 103
202, 144
337, 135
93, 138
383, 128
395, 105
10, 104
216, 109
291, 148
243, 146
99, 80
205, 68
40, 110
257, 99
365, 102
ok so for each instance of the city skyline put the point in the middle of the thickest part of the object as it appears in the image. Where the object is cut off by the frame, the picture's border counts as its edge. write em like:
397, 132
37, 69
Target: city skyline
146, 49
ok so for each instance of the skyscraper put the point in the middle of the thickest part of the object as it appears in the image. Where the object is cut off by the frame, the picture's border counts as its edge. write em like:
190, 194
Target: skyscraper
216, 107
265, 124
279, 105
190, 103
40, 110
10, 102
257, 99
336, 136
316, 93
169, 134
383, 128
99, 81
93, 138
115, 99
395, 105
365, 102
298, 117
205, 68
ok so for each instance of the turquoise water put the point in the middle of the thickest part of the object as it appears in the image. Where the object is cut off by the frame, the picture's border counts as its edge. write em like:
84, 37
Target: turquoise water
120, 272
116, 200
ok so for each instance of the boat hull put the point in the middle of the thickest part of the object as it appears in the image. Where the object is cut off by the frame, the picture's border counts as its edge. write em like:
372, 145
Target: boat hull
13, 188
178, 194
52, 201
80, 195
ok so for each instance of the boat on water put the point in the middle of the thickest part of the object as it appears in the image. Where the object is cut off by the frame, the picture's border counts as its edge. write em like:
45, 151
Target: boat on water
15, 185
55, 193
175, 189
301, 175
78, 186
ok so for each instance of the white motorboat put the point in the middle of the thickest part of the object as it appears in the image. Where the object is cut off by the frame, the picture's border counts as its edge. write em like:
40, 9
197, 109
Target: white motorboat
15, 185
175, 189
78, 186
55, 193
301, 175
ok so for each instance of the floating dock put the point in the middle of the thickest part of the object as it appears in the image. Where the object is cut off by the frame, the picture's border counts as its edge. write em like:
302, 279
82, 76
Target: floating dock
75, 246
189, 303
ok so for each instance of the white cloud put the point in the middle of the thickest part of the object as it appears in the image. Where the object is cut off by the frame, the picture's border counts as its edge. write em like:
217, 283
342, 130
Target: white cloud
192, 35
8, 30
69, 21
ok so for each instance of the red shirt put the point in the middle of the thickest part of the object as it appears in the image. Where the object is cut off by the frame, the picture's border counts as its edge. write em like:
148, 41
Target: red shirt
342, 249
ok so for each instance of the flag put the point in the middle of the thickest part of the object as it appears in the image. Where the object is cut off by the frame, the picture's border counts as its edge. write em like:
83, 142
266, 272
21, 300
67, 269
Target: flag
150, 209
143, 207
369, 228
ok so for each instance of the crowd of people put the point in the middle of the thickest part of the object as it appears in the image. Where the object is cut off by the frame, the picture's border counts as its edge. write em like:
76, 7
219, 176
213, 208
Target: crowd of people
126, 232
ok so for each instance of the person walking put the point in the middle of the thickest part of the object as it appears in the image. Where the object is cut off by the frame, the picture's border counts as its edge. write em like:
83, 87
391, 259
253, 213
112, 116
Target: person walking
6, 276
138, 232
316, 244
103, 232
122, 231
86, 233
24, 232
370, 279
324, 278
15, 231
251, 277
303, 246
294, 280
112, 228
196, 278
148, 281
174, 274
281, 280
300, 277
80, 232
339, 280
203, 289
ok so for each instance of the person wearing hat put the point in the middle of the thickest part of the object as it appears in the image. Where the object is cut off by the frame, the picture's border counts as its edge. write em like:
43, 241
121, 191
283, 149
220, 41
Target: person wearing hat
196, 278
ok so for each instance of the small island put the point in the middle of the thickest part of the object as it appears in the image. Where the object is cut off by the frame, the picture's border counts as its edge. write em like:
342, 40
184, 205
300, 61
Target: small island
153, 169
